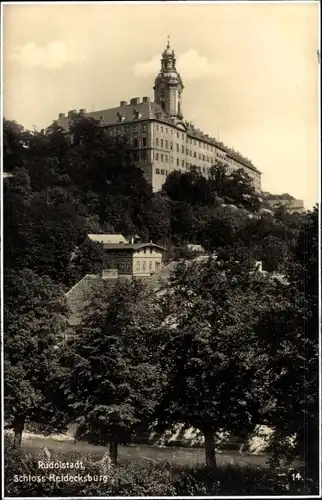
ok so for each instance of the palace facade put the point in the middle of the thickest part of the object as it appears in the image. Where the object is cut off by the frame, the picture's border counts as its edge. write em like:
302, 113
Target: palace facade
161, 140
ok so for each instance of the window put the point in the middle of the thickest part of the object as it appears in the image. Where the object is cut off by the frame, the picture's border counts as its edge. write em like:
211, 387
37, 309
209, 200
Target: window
183, 163
138, 265
144, 264
195, 143
203, 157
203, 169
166, 158
195, 155
166, 130
177, 148
182, 149
135, 143
166, 144
171, 146
162, 172
157, 141
157, 171
161, 143
157, 156
171, 132
144, 128
178, 135
178, 162
143, 141
135, 129
183, 137
157, 127
199, 156
150, 266
161, 157
161, 129
143, 154
171, 159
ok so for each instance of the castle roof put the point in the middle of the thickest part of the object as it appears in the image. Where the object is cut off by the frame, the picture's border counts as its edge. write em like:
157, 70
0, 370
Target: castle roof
123, 114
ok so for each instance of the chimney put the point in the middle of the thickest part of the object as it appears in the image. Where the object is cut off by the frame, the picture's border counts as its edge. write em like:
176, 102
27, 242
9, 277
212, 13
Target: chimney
146, 99
108, 274
82, 111
71, 113
135, 100
123, 103
61, 116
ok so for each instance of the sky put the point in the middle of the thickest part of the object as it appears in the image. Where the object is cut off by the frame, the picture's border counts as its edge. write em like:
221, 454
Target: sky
250, 72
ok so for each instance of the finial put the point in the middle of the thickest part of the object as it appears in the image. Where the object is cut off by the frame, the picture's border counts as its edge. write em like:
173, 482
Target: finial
168, 41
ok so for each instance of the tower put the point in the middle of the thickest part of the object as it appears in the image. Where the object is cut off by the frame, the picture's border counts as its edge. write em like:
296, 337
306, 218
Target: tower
168, 85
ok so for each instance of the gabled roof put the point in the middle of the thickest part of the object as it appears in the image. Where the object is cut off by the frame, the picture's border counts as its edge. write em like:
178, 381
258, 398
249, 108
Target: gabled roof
131, 246
107, 238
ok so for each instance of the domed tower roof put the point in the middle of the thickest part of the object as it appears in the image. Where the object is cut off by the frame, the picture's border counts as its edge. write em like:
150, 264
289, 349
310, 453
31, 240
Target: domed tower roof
168, 72
168, 85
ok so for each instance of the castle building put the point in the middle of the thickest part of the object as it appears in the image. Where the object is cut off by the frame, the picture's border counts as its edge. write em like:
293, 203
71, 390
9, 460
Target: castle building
161, 140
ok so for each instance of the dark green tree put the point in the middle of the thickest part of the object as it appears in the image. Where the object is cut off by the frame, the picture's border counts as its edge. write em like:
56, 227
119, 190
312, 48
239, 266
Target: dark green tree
210, 357
114, 375
34, 326
292, 337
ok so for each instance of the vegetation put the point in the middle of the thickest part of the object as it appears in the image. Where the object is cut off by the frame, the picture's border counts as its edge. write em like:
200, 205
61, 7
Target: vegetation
113, 372
141, 478
225, 348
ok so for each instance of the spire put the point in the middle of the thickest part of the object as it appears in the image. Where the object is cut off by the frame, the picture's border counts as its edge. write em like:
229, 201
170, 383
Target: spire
168, 41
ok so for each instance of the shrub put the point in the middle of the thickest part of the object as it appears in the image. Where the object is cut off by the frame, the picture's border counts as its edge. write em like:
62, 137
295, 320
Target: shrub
233, 480
141, 478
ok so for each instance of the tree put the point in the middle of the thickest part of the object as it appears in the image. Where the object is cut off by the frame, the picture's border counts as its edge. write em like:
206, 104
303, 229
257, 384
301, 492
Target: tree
15, 140
234, 188
87, 258
292, 403
34, 327
114, 378
190, 187
210, 357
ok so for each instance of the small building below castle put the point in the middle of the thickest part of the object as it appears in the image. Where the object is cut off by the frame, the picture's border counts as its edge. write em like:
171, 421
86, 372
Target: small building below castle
129, 258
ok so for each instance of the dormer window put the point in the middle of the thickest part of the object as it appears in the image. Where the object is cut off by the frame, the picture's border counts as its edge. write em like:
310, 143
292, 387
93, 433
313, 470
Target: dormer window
137, 114
120, 117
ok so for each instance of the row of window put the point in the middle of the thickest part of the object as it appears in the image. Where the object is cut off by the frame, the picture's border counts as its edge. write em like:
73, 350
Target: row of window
190, 140
161, 171
126, 129
146, 265
139, 156
139, 143
164, 157
162, 129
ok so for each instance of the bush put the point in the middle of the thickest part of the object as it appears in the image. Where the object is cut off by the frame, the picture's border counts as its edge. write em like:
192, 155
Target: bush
233, 480
141, 478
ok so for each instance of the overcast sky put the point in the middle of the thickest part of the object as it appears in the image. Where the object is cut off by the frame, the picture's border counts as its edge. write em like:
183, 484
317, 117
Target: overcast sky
250, 72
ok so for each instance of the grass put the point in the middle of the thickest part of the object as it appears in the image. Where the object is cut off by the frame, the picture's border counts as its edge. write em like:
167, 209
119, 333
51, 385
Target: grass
177, 457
